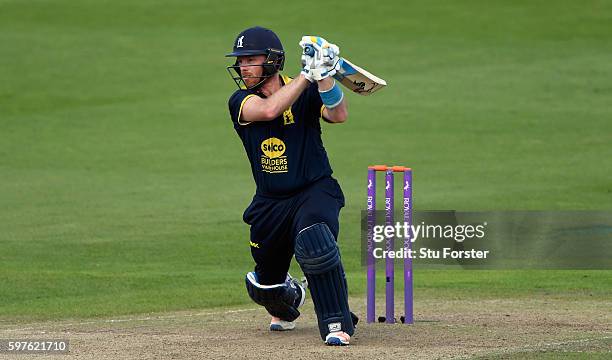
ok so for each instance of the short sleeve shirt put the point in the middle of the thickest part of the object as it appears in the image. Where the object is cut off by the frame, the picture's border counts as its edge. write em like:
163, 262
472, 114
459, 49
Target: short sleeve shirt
287, 153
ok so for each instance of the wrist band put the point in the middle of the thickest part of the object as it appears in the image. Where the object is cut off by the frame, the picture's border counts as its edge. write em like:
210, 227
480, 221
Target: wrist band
332, 97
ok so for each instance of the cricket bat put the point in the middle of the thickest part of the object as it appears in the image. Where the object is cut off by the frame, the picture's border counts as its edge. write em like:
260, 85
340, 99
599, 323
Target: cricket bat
357, 79
353, 77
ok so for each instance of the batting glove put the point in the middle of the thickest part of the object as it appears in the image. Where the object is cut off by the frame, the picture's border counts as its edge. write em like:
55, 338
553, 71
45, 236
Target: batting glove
307, 74
320, 59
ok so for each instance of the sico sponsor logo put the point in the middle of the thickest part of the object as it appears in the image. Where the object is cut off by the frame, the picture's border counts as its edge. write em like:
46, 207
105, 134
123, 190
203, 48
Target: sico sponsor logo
273, 147
272, 160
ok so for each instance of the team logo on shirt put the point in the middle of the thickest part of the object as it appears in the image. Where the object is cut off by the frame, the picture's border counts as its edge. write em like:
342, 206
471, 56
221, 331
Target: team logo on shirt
272, 160
288, 117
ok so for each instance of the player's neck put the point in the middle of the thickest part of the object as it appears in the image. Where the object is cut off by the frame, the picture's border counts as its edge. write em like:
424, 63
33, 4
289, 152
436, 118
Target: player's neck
271, 85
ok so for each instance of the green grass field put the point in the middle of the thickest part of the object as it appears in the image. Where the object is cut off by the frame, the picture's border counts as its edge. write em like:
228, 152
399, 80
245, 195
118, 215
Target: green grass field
122, 182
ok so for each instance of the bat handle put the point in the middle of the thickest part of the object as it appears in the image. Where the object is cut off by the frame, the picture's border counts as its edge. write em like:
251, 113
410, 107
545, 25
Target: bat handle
339, 75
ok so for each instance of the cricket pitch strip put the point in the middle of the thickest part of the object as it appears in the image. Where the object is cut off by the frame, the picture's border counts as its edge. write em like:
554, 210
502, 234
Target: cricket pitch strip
444, 329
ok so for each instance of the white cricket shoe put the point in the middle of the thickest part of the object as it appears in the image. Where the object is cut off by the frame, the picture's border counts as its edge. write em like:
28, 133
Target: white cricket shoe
337, 338
277, 324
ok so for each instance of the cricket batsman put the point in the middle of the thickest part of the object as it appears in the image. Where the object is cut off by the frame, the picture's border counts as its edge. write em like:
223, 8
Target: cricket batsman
296, 205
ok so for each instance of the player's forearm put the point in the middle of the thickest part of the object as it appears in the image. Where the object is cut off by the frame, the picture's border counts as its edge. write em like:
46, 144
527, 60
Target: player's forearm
325, 84
285, 97
339, 114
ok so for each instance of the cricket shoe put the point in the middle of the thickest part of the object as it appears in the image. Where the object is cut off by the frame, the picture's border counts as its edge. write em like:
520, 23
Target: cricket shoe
276, 324
337, 338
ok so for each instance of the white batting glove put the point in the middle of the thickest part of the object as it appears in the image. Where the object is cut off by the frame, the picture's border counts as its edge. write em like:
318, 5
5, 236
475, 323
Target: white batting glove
320, 59
307, 74
325, 52
322, 73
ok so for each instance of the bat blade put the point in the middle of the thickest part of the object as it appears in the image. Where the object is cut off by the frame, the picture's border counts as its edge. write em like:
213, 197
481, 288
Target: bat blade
357, 79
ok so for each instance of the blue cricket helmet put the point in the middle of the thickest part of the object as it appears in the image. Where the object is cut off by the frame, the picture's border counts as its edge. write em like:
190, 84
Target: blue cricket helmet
258, 41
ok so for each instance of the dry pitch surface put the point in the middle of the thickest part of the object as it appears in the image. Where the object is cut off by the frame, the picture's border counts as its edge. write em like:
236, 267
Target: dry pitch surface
444, 329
